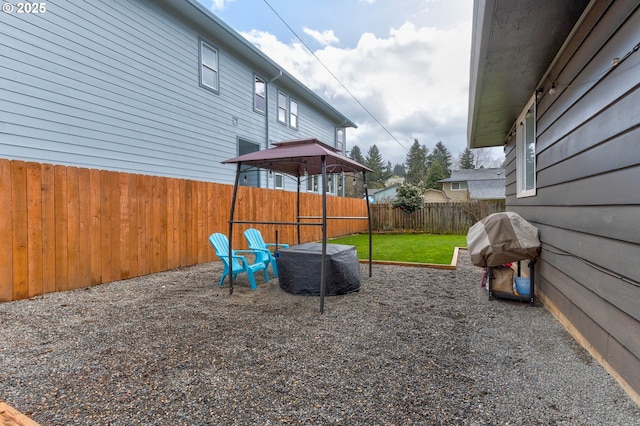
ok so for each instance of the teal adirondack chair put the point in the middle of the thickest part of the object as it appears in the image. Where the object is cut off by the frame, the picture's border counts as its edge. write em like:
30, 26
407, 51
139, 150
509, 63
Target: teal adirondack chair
238, 263
263, 254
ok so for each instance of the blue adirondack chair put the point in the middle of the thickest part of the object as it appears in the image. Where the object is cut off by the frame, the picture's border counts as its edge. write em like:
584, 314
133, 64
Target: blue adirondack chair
238, 264
263, 254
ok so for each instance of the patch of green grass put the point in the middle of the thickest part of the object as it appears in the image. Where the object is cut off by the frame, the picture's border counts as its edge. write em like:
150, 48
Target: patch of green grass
418, 248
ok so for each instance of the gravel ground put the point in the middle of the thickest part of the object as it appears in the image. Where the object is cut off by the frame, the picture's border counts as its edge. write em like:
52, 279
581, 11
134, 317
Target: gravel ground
414, 346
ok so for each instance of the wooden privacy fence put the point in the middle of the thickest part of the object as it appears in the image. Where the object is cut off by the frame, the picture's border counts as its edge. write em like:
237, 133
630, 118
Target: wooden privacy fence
64, 227
435, 218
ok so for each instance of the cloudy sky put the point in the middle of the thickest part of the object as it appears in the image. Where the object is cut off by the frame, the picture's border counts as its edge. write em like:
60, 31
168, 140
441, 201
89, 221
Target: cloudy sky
405, 61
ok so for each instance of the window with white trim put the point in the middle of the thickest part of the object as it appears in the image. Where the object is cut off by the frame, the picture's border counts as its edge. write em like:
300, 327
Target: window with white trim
259, 94
312, 183
282, 107
331, 183
526, 150
209, 73
340, 137
278, 181
293, 114
458, 186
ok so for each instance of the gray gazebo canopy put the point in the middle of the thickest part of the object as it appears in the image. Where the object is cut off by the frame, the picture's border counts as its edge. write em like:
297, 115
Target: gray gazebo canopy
301, 157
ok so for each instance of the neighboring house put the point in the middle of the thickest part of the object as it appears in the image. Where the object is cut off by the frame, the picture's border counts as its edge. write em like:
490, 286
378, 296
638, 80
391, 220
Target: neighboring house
160, 88
557, 84
474, 184
435, 196
388, 195
384, 195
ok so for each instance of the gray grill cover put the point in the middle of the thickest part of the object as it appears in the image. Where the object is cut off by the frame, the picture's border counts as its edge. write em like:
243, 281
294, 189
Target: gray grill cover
502, 238
299, 269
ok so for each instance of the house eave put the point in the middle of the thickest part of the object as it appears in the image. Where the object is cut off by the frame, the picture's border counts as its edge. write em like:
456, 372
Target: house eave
513, 44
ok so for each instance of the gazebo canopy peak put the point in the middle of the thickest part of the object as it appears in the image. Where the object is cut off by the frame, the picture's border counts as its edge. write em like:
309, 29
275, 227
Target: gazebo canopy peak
300, 157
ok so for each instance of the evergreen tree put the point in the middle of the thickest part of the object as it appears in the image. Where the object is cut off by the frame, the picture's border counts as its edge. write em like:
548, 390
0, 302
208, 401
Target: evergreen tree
441, 154
388, 171
467, 160
356, 154
374, 161
398, 170
416, 164
436, 173
409, 198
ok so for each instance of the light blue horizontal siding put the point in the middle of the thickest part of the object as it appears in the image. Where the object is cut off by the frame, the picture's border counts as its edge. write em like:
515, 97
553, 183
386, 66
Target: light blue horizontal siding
114, 85
97, 91
311, 122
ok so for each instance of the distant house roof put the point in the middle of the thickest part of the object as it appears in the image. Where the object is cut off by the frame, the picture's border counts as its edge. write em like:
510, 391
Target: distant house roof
469, 175
384, 193
482, 184
486, 189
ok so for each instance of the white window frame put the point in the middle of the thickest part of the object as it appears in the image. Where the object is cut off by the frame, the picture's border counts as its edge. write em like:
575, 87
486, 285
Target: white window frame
331, 183
278, 177
313, 183
462, 186
341, 134
282, 107
525, 159
293, 113
259, 96
215, 67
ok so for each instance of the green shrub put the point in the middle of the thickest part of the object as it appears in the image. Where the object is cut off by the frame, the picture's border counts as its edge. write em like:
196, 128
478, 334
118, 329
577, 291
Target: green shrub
409, 198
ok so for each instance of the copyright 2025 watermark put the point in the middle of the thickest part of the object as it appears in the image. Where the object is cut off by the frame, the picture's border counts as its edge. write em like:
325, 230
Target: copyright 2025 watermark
28, 8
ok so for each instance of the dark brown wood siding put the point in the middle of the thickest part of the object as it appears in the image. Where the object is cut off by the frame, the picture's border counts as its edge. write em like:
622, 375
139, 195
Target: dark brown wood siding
587, 202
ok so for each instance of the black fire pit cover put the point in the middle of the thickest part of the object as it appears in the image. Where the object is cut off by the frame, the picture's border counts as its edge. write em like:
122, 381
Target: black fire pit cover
299, 269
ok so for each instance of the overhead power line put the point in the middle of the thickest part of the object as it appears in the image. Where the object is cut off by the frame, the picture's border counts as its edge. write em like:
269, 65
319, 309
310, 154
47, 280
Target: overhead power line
334, 76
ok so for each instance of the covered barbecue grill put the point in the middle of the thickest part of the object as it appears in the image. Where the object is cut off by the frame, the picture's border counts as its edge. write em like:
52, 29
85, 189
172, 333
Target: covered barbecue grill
502, 238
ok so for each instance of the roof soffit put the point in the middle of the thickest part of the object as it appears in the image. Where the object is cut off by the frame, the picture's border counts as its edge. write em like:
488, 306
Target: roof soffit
514, 43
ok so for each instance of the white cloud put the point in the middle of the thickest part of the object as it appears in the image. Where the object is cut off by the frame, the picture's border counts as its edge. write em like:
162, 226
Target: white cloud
325, 38
215, 5
293, 57
414, 81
